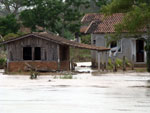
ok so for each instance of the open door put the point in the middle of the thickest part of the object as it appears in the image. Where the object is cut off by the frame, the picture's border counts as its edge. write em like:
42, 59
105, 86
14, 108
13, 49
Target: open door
139, 51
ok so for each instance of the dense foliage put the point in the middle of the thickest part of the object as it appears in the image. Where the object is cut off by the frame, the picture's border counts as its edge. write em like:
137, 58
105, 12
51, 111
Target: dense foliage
56, 16
8, 25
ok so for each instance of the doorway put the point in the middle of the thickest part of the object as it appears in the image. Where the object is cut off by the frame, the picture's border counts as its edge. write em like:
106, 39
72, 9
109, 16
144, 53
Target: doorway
139, 51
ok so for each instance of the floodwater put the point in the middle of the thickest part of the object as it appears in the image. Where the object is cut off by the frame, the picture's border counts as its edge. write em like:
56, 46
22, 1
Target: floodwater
85, 93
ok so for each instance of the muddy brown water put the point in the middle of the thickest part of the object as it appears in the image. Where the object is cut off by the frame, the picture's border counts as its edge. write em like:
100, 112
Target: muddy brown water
85, 93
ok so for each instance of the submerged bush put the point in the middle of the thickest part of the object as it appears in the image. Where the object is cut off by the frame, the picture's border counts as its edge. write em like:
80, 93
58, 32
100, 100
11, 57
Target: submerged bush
33, 75
66, 76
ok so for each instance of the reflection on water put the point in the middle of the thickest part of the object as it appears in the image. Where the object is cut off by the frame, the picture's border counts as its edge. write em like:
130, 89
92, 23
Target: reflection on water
109, 93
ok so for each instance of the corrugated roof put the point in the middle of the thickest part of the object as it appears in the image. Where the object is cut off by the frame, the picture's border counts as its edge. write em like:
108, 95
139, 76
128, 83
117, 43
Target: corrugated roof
57, 39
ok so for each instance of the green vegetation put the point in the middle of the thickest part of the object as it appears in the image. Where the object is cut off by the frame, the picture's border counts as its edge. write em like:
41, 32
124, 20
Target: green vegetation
2, 63
86, 39
11, 36
54, 15
80, 55
34, 74
66, 76
118, 62
8, 25
137, 18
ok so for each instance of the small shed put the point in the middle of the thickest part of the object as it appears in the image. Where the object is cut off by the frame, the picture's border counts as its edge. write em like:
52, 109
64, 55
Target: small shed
44, 51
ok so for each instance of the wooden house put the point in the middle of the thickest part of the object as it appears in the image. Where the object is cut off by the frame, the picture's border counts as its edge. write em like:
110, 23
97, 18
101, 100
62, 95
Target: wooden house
44, 51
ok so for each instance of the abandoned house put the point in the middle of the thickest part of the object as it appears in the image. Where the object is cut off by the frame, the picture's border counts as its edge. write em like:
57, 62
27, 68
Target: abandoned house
101, 27
44, 51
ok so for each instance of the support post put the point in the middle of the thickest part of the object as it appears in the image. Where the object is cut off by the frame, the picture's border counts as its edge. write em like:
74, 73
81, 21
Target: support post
114, 64
102, 61
132, 62
124, 63
58, 60
106, 60
99, 61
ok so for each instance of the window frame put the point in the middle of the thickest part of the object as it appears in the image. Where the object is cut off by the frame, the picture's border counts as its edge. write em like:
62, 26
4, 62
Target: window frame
117, 42
32, 53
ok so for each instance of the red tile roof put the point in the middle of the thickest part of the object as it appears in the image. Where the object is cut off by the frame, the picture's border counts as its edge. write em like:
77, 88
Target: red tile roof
105, 25
83, 29
91, 17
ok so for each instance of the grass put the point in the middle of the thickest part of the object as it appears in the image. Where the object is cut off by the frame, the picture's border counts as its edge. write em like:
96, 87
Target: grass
80, 55
140, 69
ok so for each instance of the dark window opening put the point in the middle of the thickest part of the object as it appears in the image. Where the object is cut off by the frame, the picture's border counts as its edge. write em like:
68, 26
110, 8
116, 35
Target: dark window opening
63, 53
37, 53
113, 44
139, 50
27, 53
94, 42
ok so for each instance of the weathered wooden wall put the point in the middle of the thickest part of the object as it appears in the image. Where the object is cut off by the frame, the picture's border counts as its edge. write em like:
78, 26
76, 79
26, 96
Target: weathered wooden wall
48, 49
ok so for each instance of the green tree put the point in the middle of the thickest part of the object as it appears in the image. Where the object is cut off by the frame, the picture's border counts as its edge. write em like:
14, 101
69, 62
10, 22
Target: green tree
11, 7
100, 3
53, 15
8, 25
137, 18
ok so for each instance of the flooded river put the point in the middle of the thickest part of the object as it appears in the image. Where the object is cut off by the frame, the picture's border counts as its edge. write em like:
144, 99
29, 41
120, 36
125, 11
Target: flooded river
85, 93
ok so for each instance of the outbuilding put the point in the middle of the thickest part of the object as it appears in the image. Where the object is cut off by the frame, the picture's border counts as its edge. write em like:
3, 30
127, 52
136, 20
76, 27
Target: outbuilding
44, 51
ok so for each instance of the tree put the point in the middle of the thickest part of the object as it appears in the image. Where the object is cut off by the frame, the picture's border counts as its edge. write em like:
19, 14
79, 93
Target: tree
8, 25
136, 19
56, 16
100, 3
11, 7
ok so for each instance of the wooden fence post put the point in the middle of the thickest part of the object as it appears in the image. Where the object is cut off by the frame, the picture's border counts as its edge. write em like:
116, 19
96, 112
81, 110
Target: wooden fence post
58, 60
102, 61
132, 62
106, 60
114, 65
124, 63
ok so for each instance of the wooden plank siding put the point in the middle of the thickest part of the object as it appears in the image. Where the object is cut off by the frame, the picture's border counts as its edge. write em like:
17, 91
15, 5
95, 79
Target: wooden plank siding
48, 49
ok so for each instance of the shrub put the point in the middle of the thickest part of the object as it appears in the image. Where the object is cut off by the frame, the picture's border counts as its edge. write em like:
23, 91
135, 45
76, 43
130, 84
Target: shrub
119, 63
86, 39
10, 36
2, 63
67, 76
34, 74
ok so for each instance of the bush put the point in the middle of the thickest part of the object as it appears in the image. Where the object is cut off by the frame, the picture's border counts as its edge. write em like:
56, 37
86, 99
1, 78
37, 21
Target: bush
34, 74
119, 63
10, 36
67, 76
86, 39
2, 63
